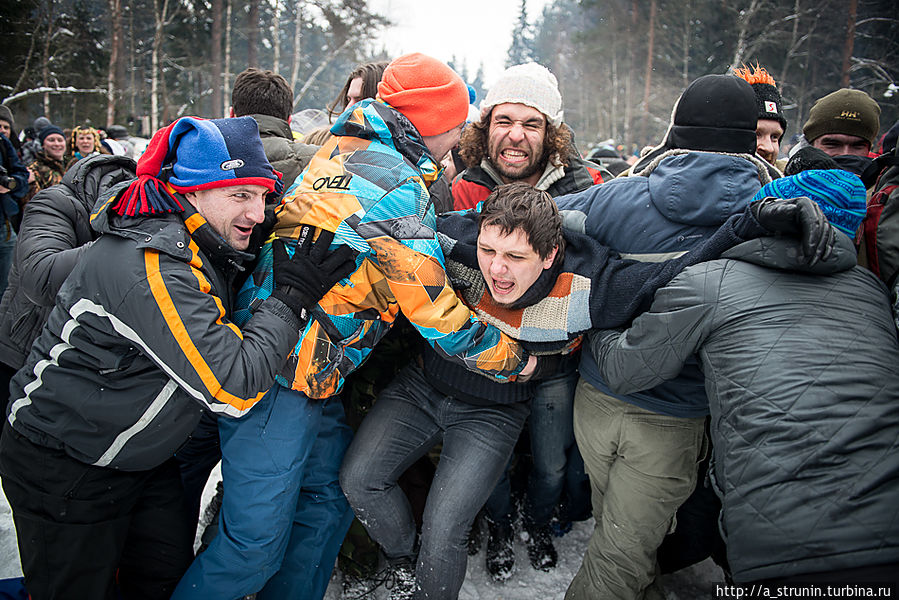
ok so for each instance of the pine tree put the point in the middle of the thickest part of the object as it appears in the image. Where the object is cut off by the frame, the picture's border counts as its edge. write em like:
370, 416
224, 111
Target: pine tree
522, 48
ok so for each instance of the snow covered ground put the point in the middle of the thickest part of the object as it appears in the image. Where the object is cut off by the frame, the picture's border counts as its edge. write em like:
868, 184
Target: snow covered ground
695, 583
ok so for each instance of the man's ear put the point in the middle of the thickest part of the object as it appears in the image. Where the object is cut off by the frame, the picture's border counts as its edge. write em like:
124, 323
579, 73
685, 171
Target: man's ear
548, 261
192, 198
231, 112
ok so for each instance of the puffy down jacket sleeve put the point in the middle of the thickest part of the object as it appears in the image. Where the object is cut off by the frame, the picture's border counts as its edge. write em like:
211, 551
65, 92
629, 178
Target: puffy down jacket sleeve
659, 342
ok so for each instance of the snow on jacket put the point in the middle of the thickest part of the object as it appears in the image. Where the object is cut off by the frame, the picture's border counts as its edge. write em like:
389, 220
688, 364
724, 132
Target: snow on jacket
54, 234
288, 156
802, 373
369, 185
670, 207
473, 185
140, 343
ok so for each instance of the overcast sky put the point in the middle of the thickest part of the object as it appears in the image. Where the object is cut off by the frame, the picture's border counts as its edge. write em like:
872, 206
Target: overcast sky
474, 31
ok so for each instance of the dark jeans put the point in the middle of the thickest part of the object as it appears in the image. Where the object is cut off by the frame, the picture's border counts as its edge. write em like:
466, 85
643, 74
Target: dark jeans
408, 419
196, 459
83, 529
557, 471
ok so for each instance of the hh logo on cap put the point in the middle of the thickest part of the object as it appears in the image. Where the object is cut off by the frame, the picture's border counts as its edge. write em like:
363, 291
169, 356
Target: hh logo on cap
848, 114
770, 107
234, 163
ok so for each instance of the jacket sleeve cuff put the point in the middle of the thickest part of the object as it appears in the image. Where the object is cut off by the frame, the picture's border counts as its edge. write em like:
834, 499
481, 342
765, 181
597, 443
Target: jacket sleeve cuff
284, 312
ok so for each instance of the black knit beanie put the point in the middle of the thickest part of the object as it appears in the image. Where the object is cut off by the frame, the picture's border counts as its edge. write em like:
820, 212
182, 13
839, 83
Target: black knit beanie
716, 113
770, 103
769, 100
807, 159
48, 131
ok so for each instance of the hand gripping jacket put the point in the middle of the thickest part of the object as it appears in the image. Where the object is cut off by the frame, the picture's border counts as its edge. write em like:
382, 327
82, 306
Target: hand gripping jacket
369, 185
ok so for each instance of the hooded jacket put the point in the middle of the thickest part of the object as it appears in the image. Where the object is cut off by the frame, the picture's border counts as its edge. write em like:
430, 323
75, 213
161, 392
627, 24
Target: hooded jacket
673, 205
140, 343
802, 373
369, 185
54, 235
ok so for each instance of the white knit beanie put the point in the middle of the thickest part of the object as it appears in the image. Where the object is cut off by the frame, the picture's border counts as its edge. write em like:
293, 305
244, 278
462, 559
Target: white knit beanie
529, 84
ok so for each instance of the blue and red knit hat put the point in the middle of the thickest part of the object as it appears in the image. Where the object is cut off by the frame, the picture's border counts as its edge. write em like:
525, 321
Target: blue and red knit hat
195, 154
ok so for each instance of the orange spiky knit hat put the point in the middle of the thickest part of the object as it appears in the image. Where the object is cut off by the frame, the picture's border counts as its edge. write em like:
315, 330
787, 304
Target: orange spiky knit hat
769, 99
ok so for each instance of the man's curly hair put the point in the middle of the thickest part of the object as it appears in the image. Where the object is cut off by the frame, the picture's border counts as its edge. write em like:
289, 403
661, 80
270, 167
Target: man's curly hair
473, 145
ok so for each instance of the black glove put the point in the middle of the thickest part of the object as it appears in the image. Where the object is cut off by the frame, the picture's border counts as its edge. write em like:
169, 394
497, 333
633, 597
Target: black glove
262, 230
301, 281
800, 217
547, 366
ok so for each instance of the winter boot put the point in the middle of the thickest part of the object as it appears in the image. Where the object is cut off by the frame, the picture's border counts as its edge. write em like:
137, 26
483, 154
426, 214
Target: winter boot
401, 580
500, 551
541, 551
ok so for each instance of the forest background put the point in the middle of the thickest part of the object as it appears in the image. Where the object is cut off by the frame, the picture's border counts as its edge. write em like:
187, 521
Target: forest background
621, 64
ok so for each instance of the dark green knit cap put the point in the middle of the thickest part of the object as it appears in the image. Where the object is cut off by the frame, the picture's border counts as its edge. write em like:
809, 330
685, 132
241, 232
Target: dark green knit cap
845, 111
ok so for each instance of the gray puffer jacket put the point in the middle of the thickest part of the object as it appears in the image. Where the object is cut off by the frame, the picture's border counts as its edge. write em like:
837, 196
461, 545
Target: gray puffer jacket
802, 375
54, 233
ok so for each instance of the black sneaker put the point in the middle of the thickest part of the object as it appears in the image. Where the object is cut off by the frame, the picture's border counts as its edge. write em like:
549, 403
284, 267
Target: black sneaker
541, 551
500, 551
400, 580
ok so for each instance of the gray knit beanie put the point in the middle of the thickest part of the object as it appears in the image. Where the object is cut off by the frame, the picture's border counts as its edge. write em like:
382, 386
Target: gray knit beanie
529, 84
40, 123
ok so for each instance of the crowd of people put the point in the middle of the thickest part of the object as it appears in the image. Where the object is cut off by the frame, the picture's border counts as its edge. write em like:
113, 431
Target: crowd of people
432, 327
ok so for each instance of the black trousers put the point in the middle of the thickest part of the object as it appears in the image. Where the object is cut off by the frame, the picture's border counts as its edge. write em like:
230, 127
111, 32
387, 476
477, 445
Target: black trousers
196, 459
88, 532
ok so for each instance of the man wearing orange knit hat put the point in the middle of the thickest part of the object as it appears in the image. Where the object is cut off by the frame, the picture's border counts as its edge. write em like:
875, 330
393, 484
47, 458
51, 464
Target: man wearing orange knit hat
283, 513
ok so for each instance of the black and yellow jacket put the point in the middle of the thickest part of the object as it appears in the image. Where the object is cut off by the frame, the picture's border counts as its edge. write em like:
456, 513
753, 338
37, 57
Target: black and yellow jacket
140, 342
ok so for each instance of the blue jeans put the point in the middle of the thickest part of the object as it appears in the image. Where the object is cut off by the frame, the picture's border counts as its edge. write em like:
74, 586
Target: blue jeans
557, 464
408, 419
283, 514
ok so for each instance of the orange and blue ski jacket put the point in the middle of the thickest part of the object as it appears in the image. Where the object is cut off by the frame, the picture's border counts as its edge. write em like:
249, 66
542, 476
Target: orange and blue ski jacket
369, 185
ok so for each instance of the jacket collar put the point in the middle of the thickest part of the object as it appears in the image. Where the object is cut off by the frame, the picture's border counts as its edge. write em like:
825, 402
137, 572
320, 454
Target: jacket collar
171, 233
551, 174
270, 126
377, 121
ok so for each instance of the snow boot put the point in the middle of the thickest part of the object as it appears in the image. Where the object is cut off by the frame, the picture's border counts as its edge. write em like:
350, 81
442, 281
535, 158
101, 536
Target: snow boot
400, 580
541, 551
500, 551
